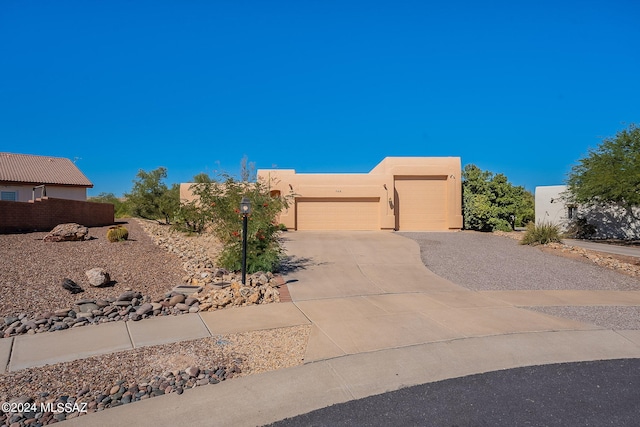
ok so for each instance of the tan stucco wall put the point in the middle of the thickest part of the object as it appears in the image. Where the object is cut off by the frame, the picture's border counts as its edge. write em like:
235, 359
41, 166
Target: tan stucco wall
332, 186
379, 184
25, 193
185, 193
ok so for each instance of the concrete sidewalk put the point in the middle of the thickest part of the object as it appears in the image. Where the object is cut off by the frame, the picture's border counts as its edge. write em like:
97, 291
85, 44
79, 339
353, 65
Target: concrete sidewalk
27, 351
380, 321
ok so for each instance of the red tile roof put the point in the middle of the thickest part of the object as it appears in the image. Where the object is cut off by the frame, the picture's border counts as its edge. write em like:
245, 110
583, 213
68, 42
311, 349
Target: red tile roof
29, 169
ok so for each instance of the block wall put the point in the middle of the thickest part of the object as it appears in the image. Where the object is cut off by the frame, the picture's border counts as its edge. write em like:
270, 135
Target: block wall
45, 213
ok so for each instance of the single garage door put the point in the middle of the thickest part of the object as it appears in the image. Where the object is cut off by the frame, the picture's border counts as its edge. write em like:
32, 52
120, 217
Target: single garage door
337, 214
421, 203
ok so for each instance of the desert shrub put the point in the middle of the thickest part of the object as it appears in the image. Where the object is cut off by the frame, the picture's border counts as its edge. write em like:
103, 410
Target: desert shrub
541, 234
117, 234
262, 255
189, 218
219, 205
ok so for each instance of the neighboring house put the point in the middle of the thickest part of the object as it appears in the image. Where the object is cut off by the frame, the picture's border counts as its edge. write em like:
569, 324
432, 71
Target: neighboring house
552, 207
611, 222
24, 177
400, 193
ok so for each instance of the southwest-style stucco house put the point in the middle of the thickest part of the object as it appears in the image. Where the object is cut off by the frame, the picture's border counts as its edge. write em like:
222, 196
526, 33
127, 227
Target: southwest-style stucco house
610, 222
24, 177
400, 193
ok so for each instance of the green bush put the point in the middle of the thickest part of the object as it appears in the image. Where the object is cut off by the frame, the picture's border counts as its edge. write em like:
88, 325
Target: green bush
189, 218
541, 234
499, 224
261, 255
117, 234
218, 204
490, 202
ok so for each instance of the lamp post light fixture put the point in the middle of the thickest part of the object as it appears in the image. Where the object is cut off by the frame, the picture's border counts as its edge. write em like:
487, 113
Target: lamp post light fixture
245, 209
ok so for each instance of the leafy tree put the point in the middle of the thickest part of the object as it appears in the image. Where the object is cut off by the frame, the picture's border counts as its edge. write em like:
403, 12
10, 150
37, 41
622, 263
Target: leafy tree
610, 174
491, 202
150, 198
120, 207
170, 202
189, 217
202, 178
525, 208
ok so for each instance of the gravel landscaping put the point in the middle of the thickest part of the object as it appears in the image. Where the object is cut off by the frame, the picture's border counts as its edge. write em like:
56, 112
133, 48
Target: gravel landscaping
32, 271
485, 262
146, 267
110, 380
488, 262
56, 302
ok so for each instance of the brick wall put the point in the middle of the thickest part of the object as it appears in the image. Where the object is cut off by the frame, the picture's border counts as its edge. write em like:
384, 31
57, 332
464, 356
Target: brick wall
45, 213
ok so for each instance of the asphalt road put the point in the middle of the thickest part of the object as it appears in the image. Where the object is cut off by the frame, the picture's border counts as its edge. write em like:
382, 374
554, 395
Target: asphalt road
633, 251
602, 393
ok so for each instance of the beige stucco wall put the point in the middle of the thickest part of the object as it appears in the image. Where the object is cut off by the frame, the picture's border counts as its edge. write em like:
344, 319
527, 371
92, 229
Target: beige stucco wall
332, 186
185, 193
25, 193
378, 184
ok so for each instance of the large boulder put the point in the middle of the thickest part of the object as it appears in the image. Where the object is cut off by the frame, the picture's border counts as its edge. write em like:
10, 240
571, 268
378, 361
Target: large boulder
67, 233
98, 277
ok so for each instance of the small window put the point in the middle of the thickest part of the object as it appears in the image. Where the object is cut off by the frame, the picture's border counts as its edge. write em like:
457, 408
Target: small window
9, 196
571, 211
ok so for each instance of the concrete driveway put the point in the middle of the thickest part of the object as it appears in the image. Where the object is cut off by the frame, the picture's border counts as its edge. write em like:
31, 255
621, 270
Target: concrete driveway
369, 291
381, 321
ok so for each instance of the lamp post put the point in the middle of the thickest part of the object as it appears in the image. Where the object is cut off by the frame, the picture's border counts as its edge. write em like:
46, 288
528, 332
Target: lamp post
245, 209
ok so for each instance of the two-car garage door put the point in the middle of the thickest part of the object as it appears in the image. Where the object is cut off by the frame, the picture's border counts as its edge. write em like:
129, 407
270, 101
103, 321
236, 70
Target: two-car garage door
338, 214
420, 204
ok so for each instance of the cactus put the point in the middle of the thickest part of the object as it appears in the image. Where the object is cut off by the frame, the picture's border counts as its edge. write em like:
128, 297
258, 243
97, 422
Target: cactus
117, 234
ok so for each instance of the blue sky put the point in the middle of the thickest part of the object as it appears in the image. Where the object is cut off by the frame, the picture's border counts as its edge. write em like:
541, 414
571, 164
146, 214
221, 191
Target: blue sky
520, 88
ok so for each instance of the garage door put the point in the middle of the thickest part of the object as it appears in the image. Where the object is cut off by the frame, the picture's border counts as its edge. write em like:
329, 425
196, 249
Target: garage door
337, 214
421, 203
